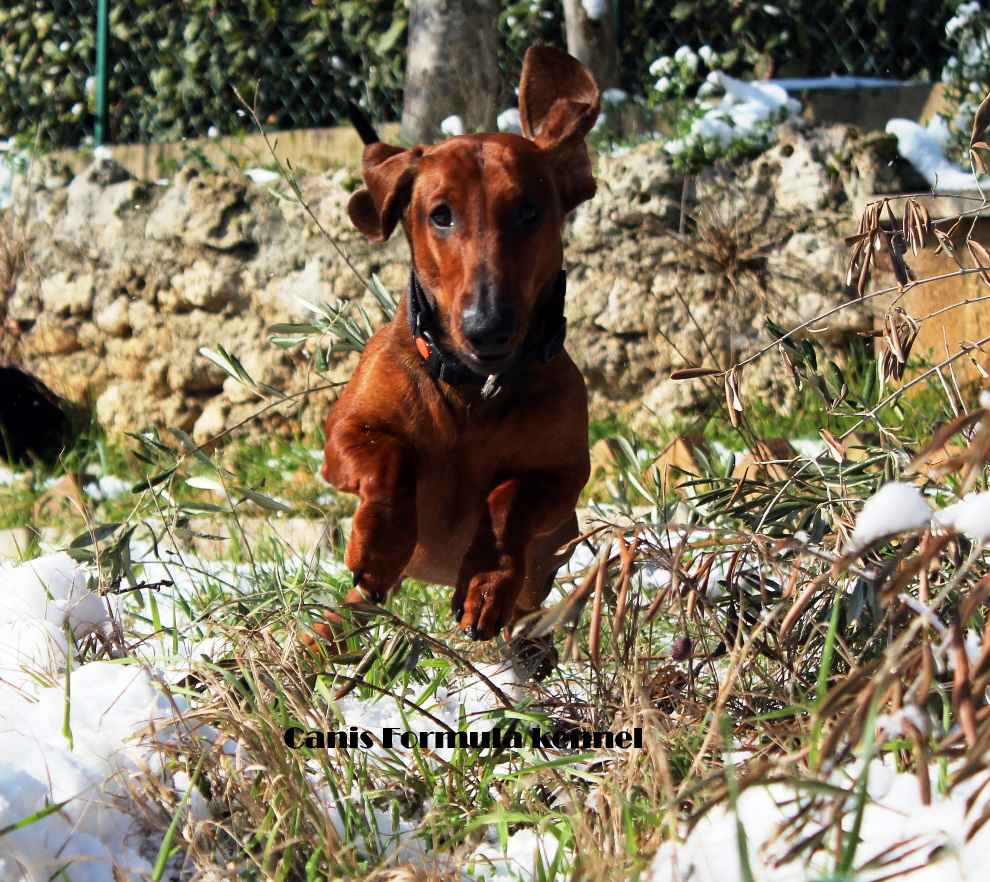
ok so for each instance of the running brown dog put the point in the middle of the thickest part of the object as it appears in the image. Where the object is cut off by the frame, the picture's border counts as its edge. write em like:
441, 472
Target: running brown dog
464, 429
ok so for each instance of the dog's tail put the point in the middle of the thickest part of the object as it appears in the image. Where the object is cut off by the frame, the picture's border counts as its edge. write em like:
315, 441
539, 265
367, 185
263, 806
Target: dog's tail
362, 125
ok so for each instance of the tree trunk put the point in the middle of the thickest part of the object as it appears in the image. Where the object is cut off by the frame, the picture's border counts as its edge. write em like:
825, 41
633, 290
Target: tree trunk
591, 39
451, 67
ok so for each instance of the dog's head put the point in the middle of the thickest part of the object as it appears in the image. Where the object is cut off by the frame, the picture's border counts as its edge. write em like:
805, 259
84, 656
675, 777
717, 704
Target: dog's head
483, 213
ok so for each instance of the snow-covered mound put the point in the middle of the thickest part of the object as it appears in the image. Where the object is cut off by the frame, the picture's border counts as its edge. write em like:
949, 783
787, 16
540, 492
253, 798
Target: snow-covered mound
87, 740
930, 841
78, 739
82, 746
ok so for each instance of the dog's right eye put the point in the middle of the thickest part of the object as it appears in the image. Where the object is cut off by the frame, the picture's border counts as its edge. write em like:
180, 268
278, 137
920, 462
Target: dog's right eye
441, 217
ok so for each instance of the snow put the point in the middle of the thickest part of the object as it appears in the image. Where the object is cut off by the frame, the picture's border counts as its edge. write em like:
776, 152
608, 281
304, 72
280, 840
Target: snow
452, 126
508, 121
594, 9
895, 507
924, 147
894, 818
51, 589
107, 487
614, 96
971, 516
91, 835
809, 448
743, 112
471, 696
811, 84
47, 603
517, 861
12, 163
261, 175
110, 706
9, 476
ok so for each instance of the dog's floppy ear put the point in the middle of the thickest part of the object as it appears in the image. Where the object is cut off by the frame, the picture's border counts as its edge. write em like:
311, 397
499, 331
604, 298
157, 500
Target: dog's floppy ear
558, 105
388, 174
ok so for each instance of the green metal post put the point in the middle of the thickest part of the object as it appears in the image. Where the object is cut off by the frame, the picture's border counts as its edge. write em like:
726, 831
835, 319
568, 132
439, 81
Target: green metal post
102, 18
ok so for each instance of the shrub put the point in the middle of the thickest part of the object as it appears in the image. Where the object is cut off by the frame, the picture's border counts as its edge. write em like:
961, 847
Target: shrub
701, 130
173, 63
966, 74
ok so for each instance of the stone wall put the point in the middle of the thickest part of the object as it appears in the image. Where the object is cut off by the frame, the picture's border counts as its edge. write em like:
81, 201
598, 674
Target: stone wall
125, 279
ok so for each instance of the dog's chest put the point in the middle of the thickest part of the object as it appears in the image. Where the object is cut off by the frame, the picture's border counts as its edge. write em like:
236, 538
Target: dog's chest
450, 496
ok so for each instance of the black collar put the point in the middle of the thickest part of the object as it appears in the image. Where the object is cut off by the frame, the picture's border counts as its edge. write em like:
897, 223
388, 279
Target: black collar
549, 328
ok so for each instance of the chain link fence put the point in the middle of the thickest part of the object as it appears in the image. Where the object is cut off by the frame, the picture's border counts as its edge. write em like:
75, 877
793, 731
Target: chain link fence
170, 67
795, 38
167, 68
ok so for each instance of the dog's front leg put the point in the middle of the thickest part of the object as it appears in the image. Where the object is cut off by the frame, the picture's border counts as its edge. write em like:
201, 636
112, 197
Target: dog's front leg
381, 469
493, 571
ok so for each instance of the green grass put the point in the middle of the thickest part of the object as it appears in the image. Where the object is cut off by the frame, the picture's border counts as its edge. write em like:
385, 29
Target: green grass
609, 816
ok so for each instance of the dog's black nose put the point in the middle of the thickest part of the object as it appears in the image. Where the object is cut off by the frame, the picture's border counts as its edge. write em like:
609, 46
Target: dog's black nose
489, 330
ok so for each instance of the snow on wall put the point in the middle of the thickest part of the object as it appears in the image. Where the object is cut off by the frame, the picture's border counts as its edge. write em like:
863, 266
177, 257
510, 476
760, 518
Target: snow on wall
924, 147
741, 113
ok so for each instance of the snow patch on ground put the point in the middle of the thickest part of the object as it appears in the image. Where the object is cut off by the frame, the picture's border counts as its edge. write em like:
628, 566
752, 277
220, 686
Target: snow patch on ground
517, 861
8, 477
12, 164
809, 448
50, 601
107, 487
83, 741
110, 707
261, 175
894, 819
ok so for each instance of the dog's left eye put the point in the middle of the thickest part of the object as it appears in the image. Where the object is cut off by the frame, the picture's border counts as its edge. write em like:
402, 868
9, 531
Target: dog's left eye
527, 214
442, 217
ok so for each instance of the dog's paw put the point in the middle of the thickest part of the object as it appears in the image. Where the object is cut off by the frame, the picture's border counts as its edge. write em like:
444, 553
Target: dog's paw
367, 589
377, 551
482, 605
372, 575
327, 636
